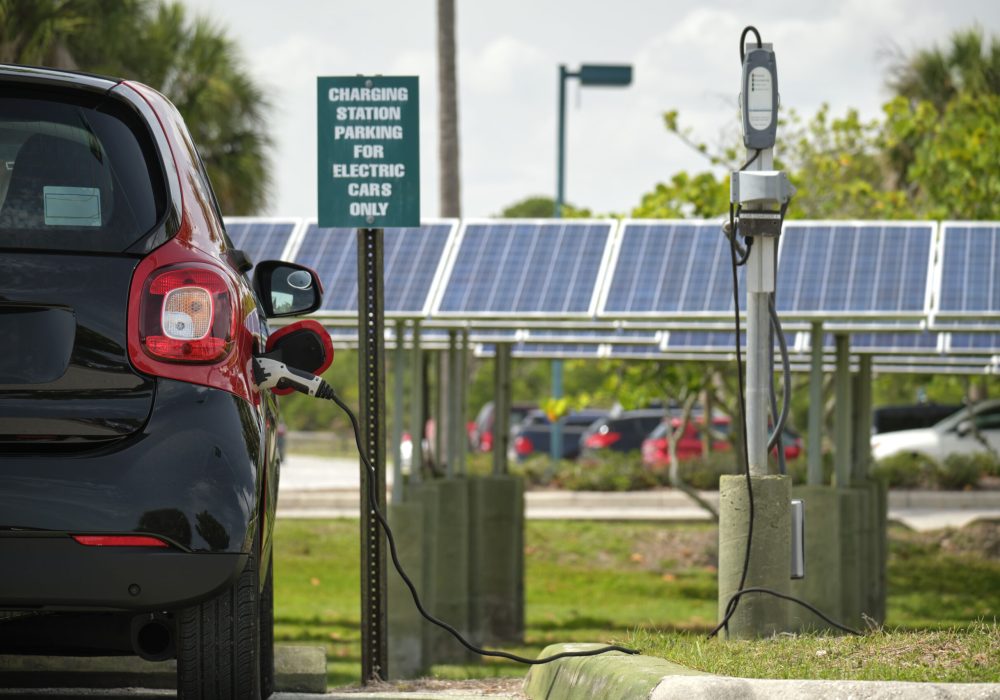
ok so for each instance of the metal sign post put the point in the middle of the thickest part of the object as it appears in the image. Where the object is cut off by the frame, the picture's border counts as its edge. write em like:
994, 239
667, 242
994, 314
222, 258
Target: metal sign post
368, 177
371, 379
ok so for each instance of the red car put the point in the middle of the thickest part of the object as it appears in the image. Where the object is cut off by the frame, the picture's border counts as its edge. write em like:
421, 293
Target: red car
655, 451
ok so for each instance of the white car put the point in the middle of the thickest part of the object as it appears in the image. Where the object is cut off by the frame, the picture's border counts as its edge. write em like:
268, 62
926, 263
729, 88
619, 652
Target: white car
956, 434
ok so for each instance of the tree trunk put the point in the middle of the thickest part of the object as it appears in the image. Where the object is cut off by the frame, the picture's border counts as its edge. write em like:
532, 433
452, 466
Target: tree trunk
448, 111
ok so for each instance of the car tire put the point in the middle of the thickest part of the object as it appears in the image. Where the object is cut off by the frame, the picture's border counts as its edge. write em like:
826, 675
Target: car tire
218, 643
267, 634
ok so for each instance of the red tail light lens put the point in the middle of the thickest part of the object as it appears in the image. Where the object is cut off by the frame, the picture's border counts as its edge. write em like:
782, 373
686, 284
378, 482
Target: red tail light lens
187, 315
119, 541
486, 442
523, 446
600, 440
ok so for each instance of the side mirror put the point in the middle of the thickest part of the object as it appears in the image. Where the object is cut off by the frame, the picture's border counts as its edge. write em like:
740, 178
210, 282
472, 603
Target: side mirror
964, 428
287, 289
304, 345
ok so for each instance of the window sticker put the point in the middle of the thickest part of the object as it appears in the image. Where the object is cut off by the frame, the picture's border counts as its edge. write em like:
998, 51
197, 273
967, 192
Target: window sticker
72, 206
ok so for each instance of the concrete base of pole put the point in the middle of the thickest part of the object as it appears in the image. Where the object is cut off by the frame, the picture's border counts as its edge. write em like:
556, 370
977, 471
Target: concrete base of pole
406, 643
852, 514
758, 615
496, 558
881, 502
821, 586
449, 574
426, 494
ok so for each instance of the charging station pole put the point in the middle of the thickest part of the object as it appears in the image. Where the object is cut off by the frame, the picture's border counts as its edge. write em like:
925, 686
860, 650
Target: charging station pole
760, 195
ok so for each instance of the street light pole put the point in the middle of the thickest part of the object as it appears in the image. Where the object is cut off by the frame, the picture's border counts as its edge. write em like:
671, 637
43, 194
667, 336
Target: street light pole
596, 75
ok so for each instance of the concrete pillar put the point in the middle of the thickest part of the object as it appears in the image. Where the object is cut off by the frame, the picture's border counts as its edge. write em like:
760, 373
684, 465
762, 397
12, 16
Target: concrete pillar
842, 427
861, 394
758, 615
815, 444
450, 574
398, 411
495, 559
821, 585
501, 407
451, 424
416, 406
851, 503
426, 495
406, 655
460, 390
882, 547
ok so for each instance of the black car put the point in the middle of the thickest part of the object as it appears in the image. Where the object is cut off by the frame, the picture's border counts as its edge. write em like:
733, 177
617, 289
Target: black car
534, 435
138, 460
623, 432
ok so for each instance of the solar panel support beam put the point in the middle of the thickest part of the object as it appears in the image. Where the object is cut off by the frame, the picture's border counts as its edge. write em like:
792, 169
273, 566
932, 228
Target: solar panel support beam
814, 452
842, 428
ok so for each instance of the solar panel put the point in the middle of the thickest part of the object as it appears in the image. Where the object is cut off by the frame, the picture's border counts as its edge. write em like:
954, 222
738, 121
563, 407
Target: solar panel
969, 267
670, 268
565, 351
520, 268
618, 336
262, 239
713, 341
843, 268
413, 258
974, 343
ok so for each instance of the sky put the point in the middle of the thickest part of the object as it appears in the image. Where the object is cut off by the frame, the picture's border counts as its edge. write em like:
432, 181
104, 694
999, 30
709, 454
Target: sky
684, 54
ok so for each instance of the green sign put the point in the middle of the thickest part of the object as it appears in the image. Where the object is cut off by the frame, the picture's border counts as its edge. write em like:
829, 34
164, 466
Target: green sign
369, 151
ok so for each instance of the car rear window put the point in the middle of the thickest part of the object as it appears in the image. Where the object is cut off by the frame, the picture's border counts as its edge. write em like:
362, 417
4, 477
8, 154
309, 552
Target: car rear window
78, 172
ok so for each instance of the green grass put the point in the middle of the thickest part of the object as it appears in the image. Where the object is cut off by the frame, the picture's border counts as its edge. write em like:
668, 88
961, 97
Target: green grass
654, 585
968, 655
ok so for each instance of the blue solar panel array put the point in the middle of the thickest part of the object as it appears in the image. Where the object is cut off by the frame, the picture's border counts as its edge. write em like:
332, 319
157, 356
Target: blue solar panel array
514, 268
261, 239
666, 268
970, 267
877, 268
412, 257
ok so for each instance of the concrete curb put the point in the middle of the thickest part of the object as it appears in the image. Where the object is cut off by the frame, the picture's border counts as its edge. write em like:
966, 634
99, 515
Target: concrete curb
613, 676
620, 677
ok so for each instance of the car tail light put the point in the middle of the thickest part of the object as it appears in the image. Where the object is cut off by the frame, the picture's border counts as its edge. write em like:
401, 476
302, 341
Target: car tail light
523, 446
486, 442
186, 315
601, 440
119, 541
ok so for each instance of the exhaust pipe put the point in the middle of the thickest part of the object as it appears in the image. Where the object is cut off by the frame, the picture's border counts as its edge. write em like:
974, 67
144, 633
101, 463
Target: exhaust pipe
153, 637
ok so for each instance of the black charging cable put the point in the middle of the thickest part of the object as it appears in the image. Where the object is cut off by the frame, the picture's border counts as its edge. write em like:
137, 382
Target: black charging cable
325, 391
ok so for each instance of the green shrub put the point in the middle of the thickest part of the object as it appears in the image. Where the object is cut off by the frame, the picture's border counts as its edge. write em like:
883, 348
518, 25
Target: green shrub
616, 472
962, 471
904, 470
703, 472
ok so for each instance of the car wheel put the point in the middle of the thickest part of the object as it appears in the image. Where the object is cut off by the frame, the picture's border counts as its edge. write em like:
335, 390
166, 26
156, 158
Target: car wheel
218, 643
267, 634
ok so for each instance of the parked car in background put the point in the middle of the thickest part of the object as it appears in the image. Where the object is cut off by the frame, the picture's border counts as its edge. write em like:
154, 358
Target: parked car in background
956, 434
534, 435
622, 432
888, 419
656, 454
481, 436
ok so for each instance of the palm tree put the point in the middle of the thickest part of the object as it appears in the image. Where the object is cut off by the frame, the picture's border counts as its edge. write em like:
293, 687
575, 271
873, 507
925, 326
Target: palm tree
448, 111
966, 65
192, 62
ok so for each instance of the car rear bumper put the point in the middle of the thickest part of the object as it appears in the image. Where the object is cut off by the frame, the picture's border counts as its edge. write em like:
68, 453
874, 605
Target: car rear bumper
57, 573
